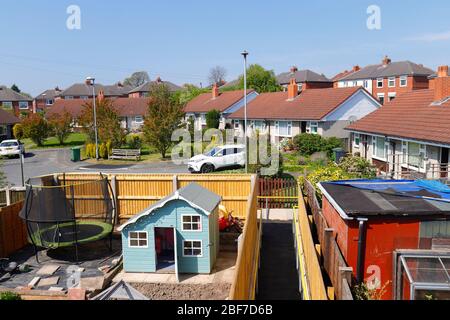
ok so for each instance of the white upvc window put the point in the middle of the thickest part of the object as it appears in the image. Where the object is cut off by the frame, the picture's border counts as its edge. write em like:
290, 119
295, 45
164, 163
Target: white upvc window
392, 96
192, 248
366, 84
283, 128
355, 83
391, 82
380, 82
203, 119
357, 140
237, 124
312, 127
139, 119
258, 125
403, 81
381, 98
49, 102
414, 154
379, 148
138, 239
68, 97
191, 223
7, 104
23, 105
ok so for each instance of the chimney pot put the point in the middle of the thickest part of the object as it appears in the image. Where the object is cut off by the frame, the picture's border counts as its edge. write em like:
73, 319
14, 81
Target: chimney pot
443, 71
294, 69
386, 60
442, 84
101, 95
356, 68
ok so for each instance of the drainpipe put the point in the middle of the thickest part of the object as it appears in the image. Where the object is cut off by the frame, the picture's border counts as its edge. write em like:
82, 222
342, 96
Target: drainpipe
361, 250
394, 162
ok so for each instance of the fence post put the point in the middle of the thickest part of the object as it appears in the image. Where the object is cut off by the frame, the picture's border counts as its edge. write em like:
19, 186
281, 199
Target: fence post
8, 196
175, 183
114, 198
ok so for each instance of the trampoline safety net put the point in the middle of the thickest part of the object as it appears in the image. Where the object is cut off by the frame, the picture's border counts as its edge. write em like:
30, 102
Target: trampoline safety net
61, 214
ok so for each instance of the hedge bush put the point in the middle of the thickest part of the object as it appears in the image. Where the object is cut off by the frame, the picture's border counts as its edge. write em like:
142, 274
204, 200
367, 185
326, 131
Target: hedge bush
308, 144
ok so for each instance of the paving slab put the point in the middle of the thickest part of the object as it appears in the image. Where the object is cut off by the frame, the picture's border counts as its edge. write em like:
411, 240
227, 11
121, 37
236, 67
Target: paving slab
48, 270
34, 282
48, 282
93, 283
56, 289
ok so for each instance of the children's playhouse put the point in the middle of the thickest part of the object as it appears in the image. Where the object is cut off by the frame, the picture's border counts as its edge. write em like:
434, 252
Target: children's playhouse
178, 234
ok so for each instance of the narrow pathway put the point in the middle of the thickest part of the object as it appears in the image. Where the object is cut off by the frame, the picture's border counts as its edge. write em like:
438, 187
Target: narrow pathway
278, 277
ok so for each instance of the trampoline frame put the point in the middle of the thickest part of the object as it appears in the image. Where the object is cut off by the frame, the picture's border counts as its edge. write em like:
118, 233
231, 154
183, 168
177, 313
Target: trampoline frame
75, 221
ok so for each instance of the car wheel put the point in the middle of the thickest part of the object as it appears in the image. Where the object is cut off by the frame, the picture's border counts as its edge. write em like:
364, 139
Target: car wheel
207, 168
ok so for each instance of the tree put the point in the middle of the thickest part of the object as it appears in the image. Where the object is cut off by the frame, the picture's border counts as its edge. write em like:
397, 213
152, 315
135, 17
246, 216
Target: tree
61, 124
108, 122
188, 93
213, 119
18, 131
217, 75
164, 116
260, 79
36, 128
136, 79
15, 88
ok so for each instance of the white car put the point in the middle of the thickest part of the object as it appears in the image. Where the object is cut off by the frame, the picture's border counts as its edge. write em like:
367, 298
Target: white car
9, 148
218, 158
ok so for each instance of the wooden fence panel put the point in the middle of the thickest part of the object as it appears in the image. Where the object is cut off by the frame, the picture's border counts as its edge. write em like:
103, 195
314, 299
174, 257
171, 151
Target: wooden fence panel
13, 232
333, 260
285, 189
246, 271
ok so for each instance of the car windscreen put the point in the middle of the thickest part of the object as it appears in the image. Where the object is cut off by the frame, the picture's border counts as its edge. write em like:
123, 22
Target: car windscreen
8, 144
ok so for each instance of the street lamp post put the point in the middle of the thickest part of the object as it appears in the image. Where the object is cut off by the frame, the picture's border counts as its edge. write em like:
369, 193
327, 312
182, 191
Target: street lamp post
91, 81
245, 54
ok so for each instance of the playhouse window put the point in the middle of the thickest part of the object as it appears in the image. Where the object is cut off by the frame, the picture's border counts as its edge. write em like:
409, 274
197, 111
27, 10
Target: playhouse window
192, 223
192, 248
138, 240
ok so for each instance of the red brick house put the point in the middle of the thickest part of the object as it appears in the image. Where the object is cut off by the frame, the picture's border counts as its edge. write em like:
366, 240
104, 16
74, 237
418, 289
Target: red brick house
46, 99
305, 79
143, 90
84, 91
389, 79
7, 122
14, 102
411, 135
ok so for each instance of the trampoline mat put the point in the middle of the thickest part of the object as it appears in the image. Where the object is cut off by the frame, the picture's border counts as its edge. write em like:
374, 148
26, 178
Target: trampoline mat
63, 235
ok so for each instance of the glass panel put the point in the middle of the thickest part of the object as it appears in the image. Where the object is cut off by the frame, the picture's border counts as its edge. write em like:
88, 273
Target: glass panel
142, 243
414, 158
133, 235
134, 243
187, 252
187, 219
187, 226
195, 218
426, 270
197, 252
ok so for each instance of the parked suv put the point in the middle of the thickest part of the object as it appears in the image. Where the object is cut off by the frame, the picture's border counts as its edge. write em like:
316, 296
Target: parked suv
9, 148
218, 158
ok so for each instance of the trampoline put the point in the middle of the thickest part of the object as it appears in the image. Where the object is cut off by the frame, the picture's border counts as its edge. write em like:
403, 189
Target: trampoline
61, 212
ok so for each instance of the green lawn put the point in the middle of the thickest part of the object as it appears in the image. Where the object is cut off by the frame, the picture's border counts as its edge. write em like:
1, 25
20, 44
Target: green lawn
74, 139
292, 163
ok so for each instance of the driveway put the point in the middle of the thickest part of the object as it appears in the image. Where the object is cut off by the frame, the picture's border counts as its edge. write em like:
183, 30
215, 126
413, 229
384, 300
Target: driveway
43, 162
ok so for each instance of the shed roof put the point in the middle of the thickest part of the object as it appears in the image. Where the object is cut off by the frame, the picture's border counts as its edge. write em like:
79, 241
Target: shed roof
399, 198
194, 194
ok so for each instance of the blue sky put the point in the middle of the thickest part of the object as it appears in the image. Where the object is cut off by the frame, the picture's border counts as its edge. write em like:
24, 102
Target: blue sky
181, 40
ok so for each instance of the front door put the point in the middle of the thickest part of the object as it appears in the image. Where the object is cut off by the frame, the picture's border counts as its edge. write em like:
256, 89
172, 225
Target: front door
165, 250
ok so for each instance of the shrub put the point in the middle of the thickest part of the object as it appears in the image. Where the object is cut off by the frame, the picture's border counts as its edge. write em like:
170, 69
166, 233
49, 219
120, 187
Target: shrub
90, 150
329, 173
307, 143
109, 147
9, 296
102, 151
358, 167
18, 131
213, 119
134, 141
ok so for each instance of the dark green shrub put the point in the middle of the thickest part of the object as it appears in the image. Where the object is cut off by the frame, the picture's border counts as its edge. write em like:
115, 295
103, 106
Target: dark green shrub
9, 296
213, 119
134, 141
307, 143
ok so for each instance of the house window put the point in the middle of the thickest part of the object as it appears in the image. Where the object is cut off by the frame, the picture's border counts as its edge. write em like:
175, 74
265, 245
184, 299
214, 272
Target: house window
138, 119
49, 102
68, 97
203, 119
392, 96
357, 140
7, 104
381, 98
380, 83
355, 83
258, 125
23, 105
138, 239
366, 84
414, 154
391, 82
192, 248
236, 124
191, 223
312, 127
403, 81
379, 147
283, 128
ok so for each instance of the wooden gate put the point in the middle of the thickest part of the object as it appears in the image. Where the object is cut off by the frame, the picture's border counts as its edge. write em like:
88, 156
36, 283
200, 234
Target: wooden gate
277, 193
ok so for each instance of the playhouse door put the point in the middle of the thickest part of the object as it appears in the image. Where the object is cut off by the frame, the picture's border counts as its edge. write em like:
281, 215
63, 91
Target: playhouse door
176, 254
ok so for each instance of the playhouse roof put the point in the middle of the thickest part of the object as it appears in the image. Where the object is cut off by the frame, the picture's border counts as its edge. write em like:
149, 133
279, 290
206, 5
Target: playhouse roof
194, 194
370, 198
